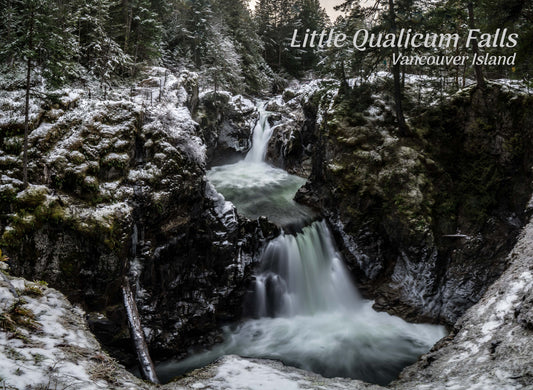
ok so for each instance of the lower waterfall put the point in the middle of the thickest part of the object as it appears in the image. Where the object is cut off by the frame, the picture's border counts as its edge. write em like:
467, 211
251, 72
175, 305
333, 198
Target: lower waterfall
303, 308
305, 311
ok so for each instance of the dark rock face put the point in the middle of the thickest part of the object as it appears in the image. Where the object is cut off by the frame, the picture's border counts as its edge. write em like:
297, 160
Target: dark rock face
293, 121
491, 345
226, 121
425, 222
119, 188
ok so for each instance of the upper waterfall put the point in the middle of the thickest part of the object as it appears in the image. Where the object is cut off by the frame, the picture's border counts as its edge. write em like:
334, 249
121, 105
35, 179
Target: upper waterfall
260, 137
303, 307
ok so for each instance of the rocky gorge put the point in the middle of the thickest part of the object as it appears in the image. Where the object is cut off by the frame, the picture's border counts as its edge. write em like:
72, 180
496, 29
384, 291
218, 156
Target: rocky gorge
425, 223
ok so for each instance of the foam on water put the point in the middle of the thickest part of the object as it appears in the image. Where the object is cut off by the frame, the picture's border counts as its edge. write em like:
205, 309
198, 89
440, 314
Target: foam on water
303, 308
258, 189
307, 313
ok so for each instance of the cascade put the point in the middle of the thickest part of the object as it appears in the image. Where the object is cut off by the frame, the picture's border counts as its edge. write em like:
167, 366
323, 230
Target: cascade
260, 136
303, 308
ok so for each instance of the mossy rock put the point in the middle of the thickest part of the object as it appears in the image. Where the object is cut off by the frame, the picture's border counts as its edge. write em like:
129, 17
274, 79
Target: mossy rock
32, 197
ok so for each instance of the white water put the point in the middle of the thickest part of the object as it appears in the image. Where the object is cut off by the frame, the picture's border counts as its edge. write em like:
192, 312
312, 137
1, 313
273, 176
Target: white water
260, 137
257, 188
302, 275
303, 308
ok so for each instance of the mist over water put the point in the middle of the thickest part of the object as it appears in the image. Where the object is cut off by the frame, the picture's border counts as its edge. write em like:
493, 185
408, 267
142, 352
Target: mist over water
303, 308
258, 189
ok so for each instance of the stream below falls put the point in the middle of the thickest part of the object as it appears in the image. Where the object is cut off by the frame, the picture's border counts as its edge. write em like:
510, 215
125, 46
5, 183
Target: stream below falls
303, 308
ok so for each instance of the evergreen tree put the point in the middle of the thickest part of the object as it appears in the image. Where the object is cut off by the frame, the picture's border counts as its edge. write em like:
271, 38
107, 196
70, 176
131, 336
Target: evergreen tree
313, 17
42, 36
222, 64
137, 27
276, 20
98, 51
241, 29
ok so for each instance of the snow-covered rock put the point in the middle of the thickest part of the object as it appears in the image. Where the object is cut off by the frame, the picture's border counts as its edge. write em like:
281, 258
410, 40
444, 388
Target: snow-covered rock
492, 344
45, 343
236, 373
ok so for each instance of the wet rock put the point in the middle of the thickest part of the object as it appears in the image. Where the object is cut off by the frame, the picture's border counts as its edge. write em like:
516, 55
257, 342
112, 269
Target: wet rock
397, 205
123, 191
226, 123
492, 343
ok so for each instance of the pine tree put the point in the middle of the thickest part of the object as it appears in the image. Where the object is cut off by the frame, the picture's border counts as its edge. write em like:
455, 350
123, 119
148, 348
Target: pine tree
98, 51
137, 28
313, 17
275, 22
42, 36
146, 32
241, 30
398, 90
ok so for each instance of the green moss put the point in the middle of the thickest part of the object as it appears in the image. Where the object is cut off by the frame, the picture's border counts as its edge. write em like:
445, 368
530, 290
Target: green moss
7, 195
32, 197
119, 161
26, 221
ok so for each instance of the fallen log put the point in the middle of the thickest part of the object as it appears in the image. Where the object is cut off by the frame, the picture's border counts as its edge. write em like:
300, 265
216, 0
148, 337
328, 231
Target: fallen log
137, 335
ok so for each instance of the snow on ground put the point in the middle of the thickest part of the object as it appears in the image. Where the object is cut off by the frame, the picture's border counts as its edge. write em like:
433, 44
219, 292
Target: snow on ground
236, 373
45, 344
493, 347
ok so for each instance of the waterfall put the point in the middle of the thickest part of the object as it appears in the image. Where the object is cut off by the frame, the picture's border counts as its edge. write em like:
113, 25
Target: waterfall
303, 308
302, 275
260, 137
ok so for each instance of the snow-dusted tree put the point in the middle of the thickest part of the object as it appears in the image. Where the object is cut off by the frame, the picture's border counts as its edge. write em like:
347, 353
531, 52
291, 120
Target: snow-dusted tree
7, 25
146, 32
137, 28
313, 17
98, 51
241, 30
274, 22
222, 64
43, 37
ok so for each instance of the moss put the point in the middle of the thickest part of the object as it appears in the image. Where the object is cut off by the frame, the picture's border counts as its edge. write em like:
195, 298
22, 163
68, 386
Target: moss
32, 291
119, 161
26, 221
7, 195
32, 197
16, 317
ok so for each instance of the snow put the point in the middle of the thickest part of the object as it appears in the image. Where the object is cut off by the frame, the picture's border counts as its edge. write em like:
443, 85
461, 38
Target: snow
225, 210
180, 129
60, 353
101, 215
241, 374
42, 359
242, 104
493, 347
236, 373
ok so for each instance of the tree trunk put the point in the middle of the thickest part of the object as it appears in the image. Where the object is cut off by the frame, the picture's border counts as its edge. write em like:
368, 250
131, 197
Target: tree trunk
127, 27
143, 355
477, 68
27, 106
402, 126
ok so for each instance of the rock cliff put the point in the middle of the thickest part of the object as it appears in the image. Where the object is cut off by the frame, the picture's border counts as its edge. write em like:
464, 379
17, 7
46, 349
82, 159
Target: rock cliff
425, 221
118, 187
